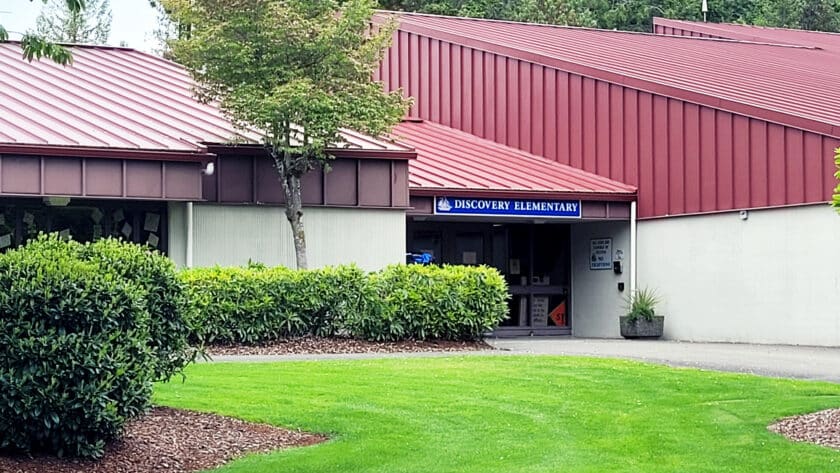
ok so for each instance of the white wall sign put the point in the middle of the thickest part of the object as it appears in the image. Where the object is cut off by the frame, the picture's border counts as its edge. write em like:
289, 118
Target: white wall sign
600, 253
539, 311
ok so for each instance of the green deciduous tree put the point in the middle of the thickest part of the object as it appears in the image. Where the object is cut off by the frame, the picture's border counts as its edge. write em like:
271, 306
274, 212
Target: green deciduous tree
91, 25
836, 201
297, 70
636, 15
554, 12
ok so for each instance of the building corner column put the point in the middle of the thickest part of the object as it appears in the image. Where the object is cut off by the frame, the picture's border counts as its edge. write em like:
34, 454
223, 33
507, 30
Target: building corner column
190, 238
633, 238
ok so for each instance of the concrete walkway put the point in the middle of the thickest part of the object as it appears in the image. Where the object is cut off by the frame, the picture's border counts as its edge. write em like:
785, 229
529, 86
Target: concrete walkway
767, 360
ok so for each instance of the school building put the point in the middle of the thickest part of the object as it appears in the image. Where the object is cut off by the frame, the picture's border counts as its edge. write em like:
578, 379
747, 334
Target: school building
581, 163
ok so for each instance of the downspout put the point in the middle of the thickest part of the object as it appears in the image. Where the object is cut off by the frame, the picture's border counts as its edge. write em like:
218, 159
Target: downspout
189, 262
633, 247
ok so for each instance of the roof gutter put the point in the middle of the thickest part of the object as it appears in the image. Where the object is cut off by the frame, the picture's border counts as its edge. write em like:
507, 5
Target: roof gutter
622, 196
105, 153
356, 153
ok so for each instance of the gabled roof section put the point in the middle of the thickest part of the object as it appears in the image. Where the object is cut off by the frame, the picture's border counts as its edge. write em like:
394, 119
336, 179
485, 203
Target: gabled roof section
458, 163
796, 86
762, 34
119, 101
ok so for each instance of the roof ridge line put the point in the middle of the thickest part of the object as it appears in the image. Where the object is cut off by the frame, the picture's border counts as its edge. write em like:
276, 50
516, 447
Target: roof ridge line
78, 45
747, 25
586, 28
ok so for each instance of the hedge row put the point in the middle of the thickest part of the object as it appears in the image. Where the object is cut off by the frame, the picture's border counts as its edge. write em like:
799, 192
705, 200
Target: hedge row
84, 331
258, 304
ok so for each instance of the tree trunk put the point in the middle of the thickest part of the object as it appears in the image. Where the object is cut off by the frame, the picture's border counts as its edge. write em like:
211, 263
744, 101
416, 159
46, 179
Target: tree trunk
294, 209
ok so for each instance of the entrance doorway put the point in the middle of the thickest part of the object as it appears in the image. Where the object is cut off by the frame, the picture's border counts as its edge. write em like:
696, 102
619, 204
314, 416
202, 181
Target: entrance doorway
535, 260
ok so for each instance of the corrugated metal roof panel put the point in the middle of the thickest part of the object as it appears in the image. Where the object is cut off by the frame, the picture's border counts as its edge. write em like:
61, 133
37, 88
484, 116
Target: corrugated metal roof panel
820, 39
120, 99
452, 160
793, 85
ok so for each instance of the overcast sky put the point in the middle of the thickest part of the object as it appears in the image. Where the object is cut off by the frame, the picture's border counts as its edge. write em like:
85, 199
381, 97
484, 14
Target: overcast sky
134, 21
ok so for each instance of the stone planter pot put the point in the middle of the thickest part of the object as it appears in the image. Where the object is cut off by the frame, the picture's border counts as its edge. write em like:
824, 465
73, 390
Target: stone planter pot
641, 328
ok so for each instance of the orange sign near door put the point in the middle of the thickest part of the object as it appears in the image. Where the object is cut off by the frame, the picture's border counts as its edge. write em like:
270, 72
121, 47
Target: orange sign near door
558, 315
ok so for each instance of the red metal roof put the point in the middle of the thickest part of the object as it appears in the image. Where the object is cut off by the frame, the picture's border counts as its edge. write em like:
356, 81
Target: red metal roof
118, 100
761, 34
459, 163
792, 85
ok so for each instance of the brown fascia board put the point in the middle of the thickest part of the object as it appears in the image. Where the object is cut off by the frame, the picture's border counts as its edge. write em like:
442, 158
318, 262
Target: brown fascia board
355, 153
105, 153
514, 194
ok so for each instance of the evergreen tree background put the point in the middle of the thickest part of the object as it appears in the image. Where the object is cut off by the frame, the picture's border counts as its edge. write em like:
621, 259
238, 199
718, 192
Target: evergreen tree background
59, 23
636, 15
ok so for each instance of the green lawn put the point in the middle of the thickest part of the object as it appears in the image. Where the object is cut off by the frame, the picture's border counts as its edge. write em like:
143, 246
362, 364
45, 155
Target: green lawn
512, 414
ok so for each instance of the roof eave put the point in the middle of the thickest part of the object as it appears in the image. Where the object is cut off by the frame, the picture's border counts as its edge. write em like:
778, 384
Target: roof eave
355, 153
620, 196
106, 153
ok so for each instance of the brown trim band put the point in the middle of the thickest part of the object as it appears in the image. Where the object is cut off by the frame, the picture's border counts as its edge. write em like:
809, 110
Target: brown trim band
354, 153
305, 206
109, 153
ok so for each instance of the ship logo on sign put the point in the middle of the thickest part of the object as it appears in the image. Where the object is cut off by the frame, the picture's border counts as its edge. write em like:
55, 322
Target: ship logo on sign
444, 205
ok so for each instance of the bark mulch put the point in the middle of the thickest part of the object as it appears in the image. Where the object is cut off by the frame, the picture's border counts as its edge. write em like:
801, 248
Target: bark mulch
174, 441
337, 345
821, 428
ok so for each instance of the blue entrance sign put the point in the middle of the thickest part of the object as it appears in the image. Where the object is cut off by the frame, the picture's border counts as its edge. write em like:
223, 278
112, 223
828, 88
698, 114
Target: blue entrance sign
507, 207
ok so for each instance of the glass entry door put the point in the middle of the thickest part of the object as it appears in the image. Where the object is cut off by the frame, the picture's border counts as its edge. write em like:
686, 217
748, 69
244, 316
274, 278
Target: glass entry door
534, 259
469, 248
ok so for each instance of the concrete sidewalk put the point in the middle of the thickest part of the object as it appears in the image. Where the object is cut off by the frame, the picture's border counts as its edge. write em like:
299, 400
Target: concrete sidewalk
767, 360
814, 363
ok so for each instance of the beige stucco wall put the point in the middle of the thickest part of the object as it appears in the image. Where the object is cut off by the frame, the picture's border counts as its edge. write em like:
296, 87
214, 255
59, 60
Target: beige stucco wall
773, 278
232, 235
596, 300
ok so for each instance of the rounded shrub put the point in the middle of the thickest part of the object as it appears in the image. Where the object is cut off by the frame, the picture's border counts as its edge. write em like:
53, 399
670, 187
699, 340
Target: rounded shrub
339, 292
75, 358
240, 305
165, 295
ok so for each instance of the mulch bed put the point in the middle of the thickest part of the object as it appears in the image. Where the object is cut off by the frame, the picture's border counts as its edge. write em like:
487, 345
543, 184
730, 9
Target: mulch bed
172, 440
322, 346
821, 428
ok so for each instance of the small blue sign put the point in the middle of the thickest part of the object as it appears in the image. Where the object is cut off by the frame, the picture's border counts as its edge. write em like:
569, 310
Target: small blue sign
507, 207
